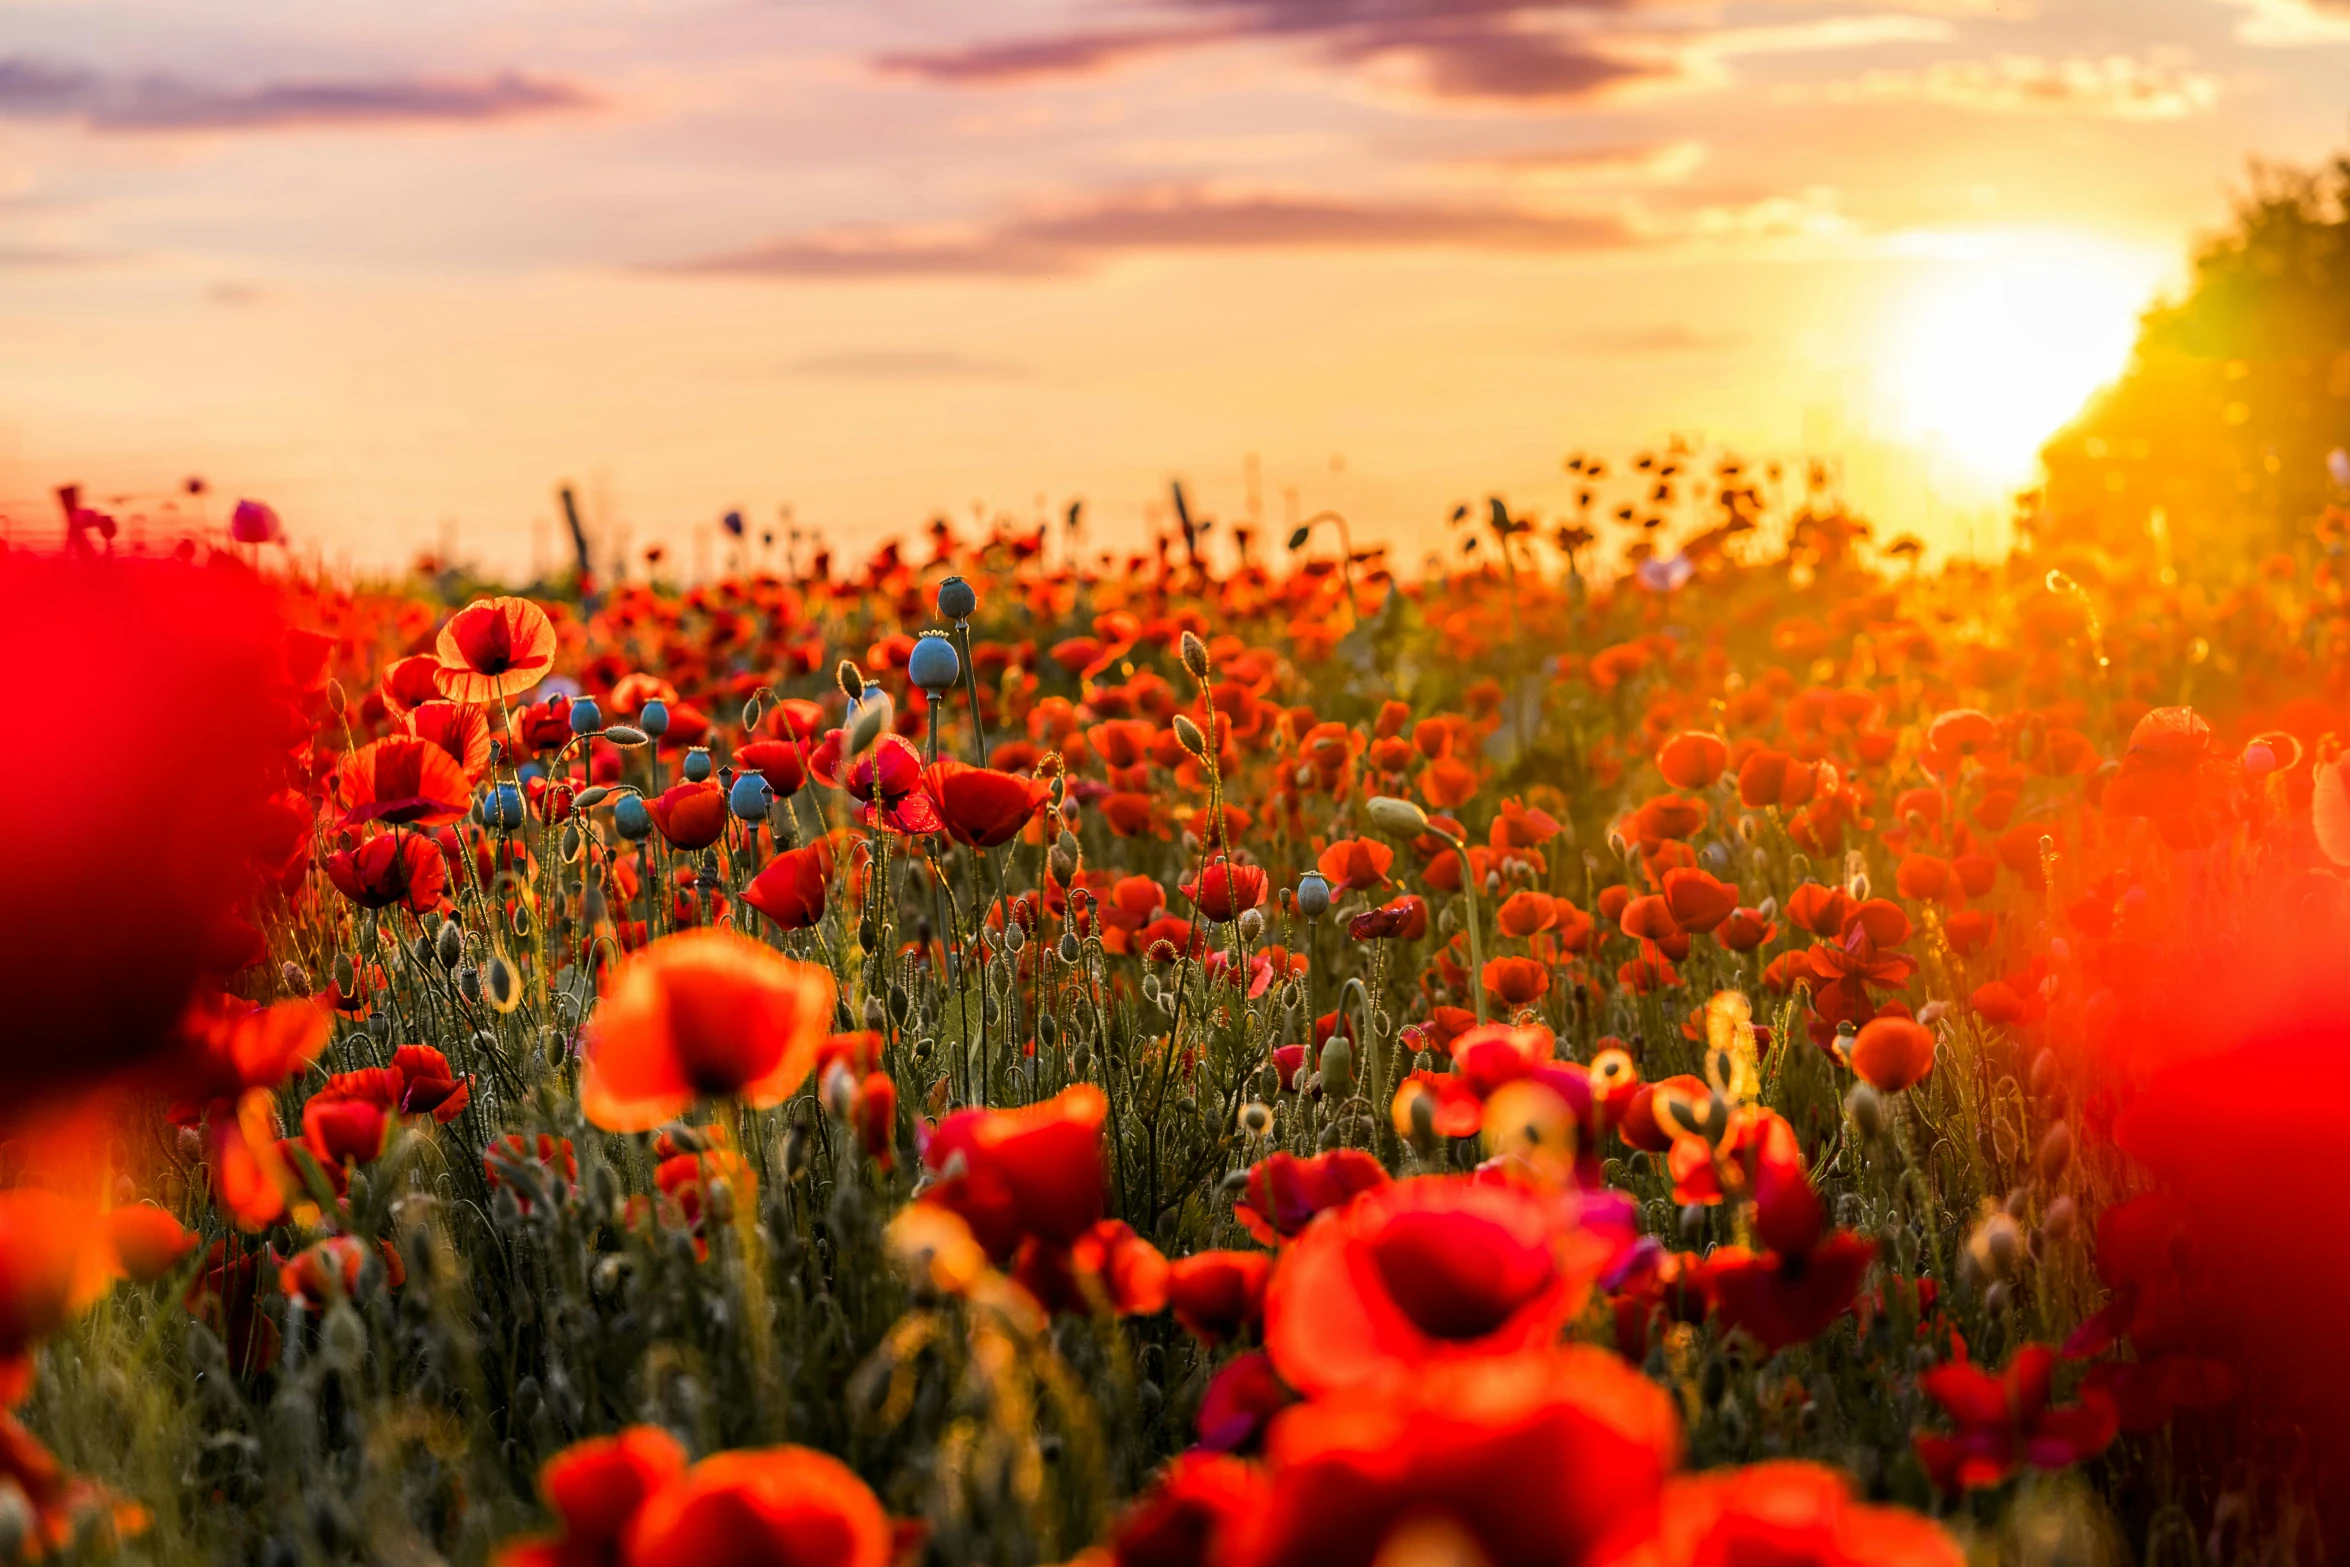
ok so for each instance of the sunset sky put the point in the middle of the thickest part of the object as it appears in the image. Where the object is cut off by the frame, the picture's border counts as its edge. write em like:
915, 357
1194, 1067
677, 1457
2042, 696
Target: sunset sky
400, 269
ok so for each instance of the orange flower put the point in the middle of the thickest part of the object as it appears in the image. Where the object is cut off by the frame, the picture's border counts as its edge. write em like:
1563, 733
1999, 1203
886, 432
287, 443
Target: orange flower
1519, 1461
1420, 1272
690, 815
703, 1012
54, 1262
1789, 1512
1516, 981
1010, 1174
792, 887
1892, 1053
763, 1505
404, 781
1692, 759
1697, 900
494, 648
595, 1488
1523, 913
1356, 864
148, 1242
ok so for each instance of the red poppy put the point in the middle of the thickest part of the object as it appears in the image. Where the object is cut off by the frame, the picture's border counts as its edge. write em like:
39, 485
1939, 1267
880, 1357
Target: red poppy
758, 1506
463, 732
791, 889
1355, 864
1892, 1053
1033, 1171
1399, 919
546, 1159
1786, 1513
57, 1264
1524, 913
1224, 891
1216, 1294
148, 1242
594, 1488
981, 806
427, 1084
1668, 818
1698, 901
328, 1270
1639, 1126
341, 1131
1524, 1460
1192, 1514
1788, 1297
702, 1012
1107, 1270
690, 815
1415, 1273
1283, 1193
783, 763
2007, 1420
390, 868
1819, 909
1745, 930
1768, 778
886, 782
404, 781
494, 648
1692, 759
1240, 1403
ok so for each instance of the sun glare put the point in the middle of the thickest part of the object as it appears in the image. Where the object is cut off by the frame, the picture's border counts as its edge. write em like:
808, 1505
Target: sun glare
1999, 348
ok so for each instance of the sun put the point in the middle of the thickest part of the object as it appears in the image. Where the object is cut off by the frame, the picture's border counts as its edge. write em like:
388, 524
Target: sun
2002, 344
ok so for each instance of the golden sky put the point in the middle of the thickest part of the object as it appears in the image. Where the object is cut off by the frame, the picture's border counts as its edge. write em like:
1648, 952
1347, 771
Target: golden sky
398, 269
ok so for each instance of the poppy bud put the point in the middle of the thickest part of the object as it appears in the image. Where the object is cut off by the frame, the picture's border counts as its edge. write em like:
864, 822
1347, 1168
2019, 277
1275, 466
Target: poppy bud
586, 716
2056, 1151
1692, 1223
956, 600
1188, 736
1995, 1299
653, 718
500, 985
850, 679
291, 975
1313, 895
1071, 949
502, 808
627, 734
2057, 1223
1338, 1068
1867, 1110
873, 717
1252, 924
1256, 1119
933, 665
1397, 816
750, 797
2043, 1071
697, 765
346, 978
1015, 937
449, 944
1195, 656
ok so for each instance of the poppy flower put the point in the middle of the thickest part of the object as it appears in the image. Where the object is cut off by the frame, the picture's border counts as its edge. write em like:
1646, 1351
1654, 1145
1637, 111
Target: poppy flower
546, 1159
1693, 759
1640, 1127
1414, 1273
1031, 1171
1769, 778
390, 868
1216, 1294
1191, 1515
1525, 1460
791, 888
1224, 891
58, 1262
494, 648
1745, 930
328, 1270
757, 1506
1107, 1270
148, 1242
782, 763
690, 815
1516, 982
344, 1131
981, 806
1698, 901
2007, 1419
1648, 918
403, 781
463, 732
1525, 912
886, 781
1893, 1053
427, 1084
1788, 1297
1355, 864
1785, 1512
1283, 1193
1668, 818
1399, 919
701, 1013
594, 1488
1241, 1401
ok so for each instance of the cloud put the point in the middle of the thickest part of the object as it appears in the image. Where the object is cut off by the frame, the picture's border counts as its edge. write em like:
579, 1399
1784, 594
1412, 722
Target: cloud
1081, 235
2292, 24
151, 105
898, 364
1605, 163
2114, 87
1517, 51
1666, 338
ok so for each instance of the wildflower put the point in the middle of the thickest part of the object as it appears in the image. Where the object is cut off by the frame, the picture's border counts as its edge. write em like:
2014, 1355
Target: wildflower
1224, 890
1696, 900
57, 1263
1355, 864
784, 765
1422, 1271
980, 806
1033, 1171
1107, 1270
2007, 1420
791, 889
886, 780
690, 815
1217, 1294
1283, 1193
494, 648
761, 1505
1516, 981
1194, 1511
403, 781
1892, 1053
148, 1242
1785, 1512
594, 1488
1521, 1461
702, 1013
1693, 759
328, 1270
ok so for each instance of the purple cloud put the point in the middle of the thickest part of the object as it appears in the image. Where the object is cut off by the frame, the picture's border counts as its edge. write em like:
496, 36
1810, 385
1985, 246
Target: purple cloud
1075, 238
1456, 49
31, 89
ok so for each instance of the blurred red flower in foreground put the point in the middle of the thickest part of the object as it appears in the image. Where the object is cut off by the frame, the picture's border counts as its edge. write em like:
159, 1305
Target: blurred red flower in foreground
703, 1012
1785, 1514
1011, 1174
2008, 1420
111, 923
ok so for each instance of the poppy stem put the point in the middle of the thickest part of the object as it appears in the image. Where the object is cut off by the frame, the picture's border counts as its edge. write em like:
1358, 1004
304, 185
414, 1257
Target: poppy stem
1476, 943
971, 689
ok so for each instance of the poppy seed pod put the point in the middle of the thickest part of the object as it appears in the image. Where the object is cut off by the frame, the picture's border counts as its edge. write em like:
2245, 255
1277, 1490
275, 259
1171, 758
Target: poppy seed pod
627, 734
956, 600
850, 679
502, 808
631, 818
750, 797
586, 716
934, 665
1252, 924
1867, 1109
2056, 1151
873, 716
1398, 816
653, 718
697, 766
1188, 736
1313, 895
449, 944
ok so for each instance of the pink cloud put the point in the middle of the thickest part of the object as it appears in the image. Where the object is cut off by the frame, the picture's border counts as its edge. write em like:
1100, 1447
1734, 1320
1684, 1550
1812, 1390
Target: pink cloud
31, 89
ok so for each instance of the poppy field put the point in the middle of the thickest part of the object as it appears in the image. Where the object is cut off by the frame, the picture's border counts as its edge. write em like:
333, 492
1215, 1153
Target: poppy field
1757, 1048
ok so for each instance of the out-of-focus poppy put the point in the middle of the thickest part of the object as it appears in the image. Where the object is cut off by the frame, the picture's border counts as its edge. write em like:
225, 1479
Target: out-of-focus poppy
494, 648
761, 1505
1892, 1053
1516, 981
702, 1012
594, 1489
1107, 1270
1191, 1516
1697, 900
981, 806
1216, 1294
2008, 1419
1693, 759
148, 1242
54, 1263
1283, 1193
1031, 1171
1785, 1512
